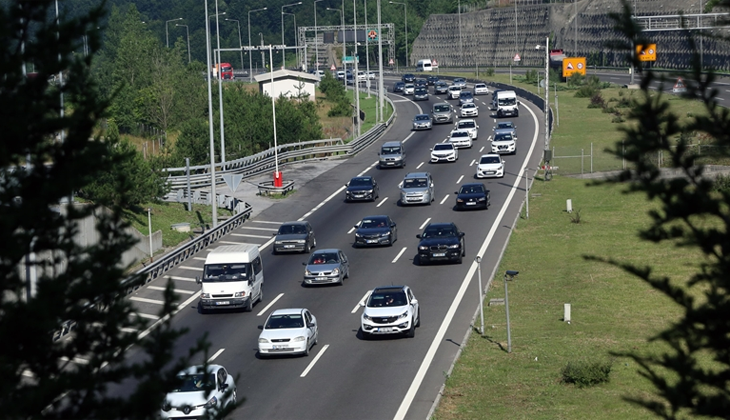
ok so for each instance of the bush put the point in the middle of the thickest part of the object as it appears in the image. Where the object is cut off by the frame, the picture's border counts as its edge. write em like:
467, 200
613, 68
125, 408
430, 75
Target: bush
597, 101
586, 91
342, 108
585, 374
531, 76
490, 72
722, 183
617, 118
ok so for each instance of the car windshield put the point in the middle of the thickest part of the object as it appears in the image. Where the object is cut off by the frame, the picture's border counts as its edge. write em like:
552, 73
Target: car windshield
467, 106
390, 150
459, 134
195, 382
441, 108
466, 95
360, 182
276, 322
467, 124
438, 231
324, 258
454, 88
439, 84
226, 272
480, 85
292, 229
422, 118
225, 68
415, 183
503, 137
443, 146
489, 159
389, 298
505, 125
421, 90
371, 223
507, 101
459, 80
471, 189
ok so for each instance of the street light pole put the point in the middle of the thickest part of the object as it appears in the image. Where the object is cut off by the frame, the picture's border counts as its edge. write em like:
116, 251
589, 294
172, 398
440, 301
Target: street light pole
381, 94
547, 91
296, 43
356, 86
405, 18
250, 60
316, 49
217, 58
367, 53
461, 43
167, 35
214, 200
220, 87
342, 21
240, 42
187, 31
478, 259
283, 57
511, 274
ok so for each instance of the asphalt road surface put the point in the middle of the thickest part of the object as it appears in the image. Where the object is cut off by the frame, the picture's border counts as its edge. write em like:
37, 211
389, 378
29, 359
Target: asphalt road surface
346, 377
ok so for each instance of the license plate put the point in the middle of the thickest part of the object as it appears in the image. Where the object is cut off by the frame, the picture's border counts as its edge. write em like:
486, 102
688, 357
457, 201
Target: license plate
223, 302
288, 246
385, 329
280, 347
490, 172
372, 241
439, 254
320, 278
471, 203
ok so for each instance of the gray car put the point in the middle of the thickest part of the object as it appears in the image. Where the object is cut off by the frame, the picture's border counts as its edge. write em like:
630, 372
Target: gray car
294, 237
417, 188
422, 122
326, 266
442, 112
466, 97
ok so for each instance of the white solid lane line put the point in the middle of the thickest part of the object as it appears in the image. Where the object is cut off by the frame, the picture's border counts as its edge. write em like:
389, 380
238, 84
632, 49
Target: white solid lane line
339, 190
264, 221
472, 162
257, 228
412, 132
239, 243
246, 235
424, 224
178, 278
215, 356
480, 151
147, 316
459, 181
314, 361
419, 165
351, 230
368, 168
276, 299
398, 256
199, 258
186, 267
439, 338
178, 291
361, 302
271, 241
382, 201
145, 300
78, 360
444, 199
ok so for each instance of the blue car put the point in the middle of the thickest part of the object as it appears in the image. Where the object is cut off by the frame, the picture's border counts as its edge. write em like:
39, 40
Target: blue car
376, 230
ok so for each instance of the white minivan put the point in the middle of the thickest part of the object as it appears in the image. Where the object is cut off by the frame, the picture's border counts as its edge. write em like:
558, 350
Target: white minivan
424, 65
233, 278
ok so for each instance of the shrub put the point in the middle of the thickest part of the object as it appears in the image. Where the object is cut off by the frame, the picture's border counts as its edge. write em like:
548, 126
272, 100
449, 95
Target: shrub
597, 101
342, 108
586, 91
722, 183
585, 374
490, 72
617, 118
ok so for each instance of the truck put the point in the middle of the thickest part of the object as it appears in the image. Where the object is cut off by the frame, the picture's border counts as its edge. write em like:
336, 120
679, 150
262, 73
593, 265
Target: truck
506, 103
226, 71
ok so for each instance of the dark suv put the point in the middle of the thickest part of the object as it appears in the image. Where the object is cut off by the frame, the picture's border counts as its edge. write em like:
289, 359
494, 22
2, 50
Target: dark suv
441, 242
408, 78
398, 86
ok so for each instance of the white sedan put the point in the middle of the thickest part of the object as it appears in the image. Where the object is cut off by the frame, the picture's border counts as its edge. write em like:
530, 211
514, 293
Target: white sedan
490, 166
371, 75
460, 138
288, 331
481, 89
198, 391
444, 152
469, 110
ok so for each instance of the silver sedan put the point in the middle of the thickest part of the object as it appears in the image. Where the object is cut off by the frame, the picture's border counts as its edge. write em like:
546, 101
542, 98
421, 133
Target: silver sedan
326, 266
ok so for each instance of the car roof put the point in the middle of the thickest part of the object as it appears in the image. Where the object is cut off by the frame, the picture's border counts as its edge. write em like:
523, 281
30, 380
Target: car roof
417, 175
391, 143
325, 251
422, 115
287, 311
442, 103
463, 120
386, 289
505, 123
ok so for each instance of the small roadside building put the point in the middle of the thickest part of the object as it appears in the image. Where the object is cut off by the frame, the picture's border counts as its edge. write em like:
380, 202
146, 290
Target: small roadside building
289, 83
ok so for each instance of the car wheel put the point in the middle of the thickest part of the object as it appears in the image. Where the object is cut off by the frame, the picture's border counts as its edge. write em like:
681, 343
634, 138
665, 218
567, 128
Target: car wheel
249, 307
364, 335
347, 274
418, 323
314, 242
390, 240
201, 310
412, 331
232, 400
307, 248
460, 259
261, 293
306, 349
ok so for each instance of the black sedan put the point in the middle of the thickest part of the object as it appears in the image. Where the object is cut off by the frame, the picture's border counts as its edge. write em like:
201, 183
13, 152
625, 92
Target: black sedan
472, 196
362, 188
408, 78
432, 80
376, 230
398, 86
441, 242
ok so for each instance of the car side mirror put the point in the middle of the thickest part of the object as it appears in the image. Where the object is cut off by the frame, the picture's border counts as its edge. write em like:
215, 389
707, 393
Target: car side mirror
304, 263
418, 236
261, 327
223, 387
310, 324
273, 234
362, 304
414, 302
197, 280
347, 184
392, 224
461, 234
456, 192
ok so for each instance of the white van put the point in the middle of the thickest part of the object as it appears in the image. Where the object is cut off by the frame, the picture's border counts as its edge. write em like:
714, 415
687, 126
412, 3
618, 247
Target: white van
424, 65
233, 277
506, 103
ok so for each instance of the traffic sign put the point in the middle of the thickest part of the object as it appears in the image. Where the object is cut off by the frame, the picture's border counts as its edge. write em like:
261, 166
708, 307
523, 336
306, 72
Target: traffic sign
434, 64
517, 58
574, 65
333, 68
390, 61
646, 52
679, 86
372, 35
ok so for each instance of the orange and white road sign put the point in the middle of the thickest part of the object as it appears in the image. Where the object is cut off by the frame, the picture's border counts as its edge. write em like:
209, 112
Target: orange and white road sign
646, 52
574, 65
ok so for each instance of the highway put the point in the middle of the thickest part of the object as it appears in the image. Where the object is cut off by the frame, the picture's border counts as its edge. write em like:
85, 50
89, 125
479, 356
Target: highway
346, 377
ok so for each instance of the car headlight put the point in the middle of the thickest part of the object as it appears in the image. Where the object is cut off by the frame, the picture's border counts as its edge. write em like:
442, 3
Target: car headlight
369, 192
166, 406
298, 339
422, 248
366, 317
482, 198
455, 246
459, 200
308, 273
211, 403
357, 235
278, 242
403, 315
385, 234
501, 167
205, 295
300, 241
263, 341
239, 294
335, 271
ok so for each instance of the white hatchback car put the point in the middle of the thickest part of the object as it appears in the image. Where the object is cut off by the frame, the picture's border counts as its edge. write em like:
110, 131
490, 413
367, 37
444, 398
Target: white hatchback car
481, 89
470, 126
288, 331
444, 152
469, 110
490, 166
390, 310
460, 138
409, 88
198, 391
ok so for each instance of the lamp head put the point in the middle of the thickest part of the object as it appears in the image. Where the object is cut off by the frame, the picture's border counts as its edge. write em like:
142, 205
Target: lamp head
478, 259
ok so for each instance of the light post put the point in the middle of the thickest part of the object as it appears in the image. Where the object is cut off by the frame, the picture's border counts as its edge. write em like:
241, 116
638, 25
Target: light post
167, 35
187, 31
405, 18
316, 50
283, 51
342, 21
220, 87
381, 98
277, 174
478, 260
367, 53
149, 227
214, 200
508, 276
296, 42
461, 44
240, 43
217, 58
527, 195
250, 60
263, 56
547, 94
356, 86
